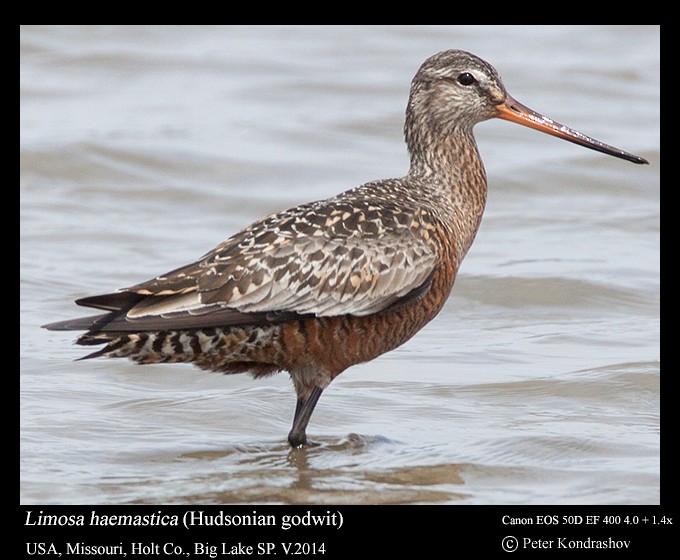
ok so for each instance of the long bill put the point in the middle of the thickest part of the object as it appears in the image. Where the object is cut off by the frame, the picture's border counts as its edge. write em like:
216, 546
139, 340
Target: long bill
513, 110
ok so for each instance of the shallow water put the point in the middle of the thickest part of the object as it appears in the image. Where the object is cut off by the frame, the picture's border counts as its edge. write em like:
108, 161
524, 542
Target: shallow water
142, 148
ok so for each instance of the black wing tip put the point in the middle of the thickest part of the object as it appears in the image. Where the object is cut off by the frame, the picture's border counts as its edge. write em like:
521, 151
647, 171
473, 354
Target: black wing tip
91, 323
114, 301
60, 326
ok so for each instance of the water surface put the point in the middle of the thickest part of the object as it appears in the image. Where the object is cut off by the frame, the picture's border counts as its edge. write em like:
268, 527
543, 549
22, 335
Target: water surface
142, 148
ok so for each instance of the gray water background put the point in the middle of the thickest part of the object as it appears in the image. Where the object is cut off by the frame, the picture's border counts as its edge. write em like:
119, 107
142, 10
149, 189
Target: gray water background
141, 148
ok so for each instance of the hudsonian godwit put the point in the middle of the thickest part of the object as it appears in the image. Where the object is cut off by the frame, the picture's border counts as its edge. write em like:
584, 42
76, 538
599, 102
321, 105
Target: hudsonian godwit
320, 287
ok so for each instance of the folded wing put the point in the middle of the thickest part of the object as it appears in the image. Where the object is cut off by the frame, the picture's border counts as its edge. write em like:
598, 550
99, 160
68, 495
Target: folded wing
317, 260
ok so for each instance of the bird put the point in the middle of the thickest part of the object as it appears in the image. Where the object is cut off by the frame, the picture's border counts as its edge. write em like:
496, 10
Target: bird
326, 285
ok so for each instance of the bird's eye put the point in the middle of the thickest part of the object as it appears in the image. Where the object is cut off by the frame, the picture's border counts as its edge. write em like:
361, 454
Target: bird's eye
466, 79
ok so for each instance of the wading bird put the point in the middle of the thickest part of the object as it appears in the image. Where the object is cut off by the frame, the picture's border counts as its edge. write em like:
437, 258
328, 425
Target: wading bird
320, 287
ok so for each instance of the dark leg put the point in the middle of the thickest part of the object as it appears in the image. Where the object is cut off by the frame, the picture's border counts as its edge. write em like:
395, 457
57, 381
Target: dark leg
303, 412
